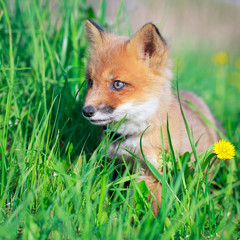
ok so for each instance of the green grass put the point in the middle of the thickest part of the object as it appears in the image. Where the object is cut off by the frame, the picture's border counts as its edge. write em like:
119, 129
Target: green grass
55, 180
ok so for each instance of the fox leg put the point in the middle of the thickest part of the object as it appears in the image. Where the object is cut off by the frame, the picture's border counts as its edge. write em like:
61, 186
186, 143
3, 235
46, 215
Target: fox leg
155, 187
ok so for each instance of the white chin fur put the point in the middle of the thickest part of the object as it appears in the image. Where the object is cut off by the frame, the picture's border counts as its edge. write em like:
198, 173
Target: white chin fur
101, 118
100, 122
137, 116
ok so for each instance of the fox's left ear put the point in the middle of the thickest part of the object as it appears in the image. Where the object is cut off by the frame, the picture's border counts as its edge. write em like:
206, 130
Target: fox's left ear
148, 44
95, 34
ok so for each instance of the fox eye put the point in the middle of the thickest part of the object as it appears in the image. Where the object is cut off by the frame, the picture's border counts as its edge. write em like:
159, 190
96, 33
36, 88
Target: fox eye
118, 85
90, 83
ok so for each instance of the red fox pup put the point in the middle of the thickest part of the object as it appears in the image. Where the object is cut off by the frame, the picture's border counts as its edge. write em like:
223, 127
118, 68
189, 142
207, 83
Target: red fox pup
130, 79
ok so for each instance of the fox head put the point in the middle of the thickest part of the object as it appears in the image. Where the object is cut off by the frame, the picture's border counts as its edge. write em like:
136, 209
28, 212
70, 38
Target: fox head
127, 77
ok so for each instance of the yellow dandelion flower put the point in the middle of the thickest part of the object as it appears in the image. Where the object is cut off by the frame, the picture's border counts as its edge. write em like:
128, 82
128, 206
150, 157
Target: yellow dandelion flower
220, 58
224, 149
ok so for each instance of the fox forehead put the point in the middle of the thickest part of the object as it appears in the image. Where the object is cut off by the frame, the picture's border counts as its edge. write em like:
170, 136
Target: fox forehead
113, 61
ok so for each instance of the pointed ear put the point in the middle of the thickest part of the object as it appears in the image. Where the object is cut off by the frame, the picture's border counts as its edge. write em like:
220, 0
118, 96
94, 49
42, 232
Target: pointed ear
148, 44
94, 33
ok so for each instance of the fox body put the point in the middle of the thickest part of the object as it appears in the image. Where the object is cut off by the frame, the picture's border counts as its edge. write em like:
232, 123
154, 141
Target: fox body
130, 79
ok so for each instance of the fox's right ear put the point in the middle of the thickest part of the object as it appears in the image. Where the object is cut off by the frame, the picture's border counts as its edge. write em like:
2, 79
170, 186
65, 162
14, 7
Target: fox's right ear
94, 33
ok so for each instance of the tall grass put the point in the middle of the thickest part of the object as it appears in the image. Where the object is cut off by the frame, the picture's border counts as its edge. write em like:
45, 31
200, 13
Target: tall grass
55, 179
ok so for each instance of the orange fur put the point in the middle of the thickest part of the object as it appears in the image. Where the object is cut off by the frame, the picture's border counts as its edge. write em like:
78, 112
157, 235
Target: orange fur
143, 64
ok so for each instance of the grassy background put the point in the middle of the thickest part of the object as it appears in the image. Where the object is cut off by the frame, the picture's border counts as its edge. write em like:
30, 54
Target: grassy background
55, 181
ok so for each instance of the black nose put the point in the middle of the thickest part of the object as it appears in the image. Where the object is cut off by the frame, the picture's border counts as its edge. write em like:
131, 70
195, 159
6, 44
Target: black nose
88, 111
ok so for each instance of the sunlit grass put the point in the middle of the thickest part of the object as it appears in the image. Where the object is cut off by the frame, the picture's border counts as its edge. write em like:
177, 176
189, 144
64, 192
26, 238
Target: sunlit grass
55, 179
